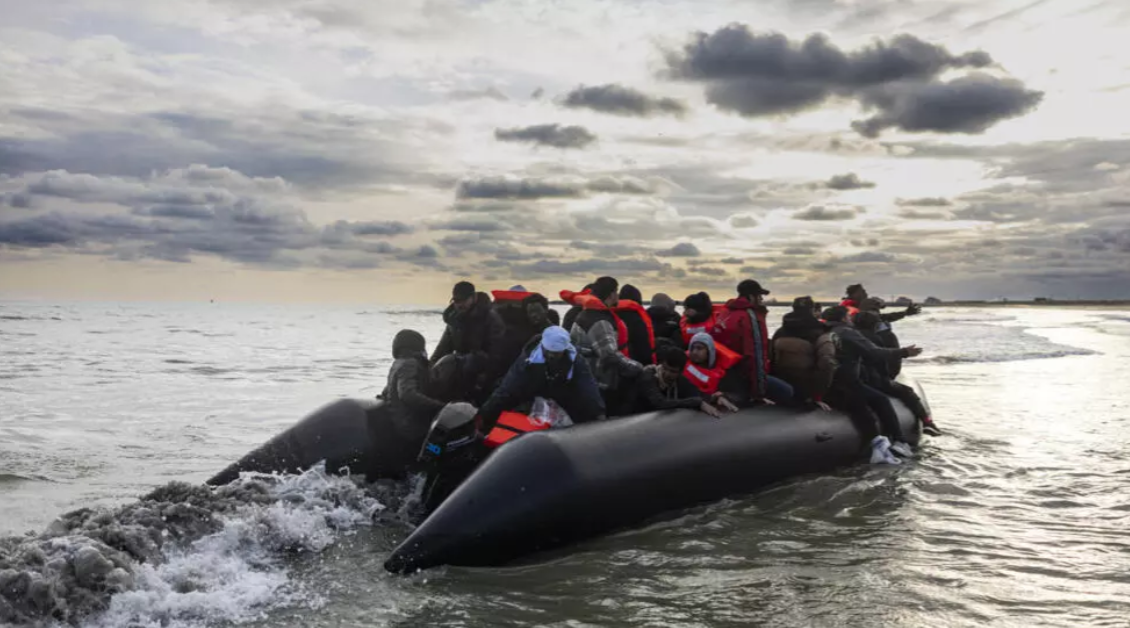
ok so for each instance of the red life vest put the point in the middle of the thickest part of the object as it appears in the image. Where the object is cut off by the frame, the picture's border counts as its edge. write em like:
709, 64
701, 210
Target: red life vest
851, 306
587, 301
707, 379
511, 425
707, 326
510, 296
626, 305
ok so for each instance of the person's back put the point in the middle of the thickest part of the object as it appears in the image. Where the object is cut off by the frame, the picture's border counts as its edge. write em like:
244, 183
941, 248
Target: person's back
399, 430
803, 353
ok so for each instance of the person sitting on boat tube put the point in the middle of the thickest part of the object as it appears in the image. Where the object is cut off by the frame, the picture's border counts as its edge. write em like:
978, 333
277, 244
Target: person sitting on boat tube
714, 370
878, 376
664, 386
400, 429
850, 393
554, 370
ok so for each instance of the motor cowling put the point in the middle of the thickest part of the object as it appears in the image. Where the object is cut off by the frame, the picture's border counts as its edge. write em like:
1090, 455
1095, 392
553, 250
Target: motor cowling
450, 452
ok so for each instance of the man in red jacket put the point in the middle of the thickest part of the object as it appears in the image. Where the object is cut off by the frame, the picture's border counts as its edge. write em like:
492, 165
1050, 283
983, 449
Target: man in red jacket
741, 327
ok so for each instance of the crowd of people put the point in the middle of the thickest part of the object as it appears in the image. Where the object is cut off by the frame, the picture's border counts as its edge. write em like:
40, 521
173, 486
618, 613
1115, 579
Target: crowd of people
609, 356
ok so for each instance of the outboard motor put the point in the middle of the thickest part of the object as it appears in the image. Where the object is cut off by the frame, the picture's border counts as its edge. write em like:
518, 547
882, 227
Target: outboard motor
450, 453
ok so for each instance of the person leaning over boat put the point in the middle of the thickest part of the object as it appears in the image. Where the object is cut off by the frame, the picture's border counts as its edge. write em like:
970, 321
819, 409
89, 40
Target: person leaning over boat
857, 295
803, 353
742, 329
599, 335
551, 369
664, 386
884, 336
399, 430
878, 376
850, 393
474, 335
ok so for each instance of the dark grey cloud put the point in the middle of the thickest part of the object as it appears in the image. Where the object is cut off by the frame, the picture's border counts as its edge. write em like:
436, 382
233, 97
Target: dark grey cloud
868, 257
522, 189
924, 202
553, 135
310, 149
178, 214
920, 214
18, 200
379, 227
968, 104
767, 74
849, 181
682, 249
743, 221
478, 225
798, 250
731, 260
822, 213
622, 101
512, 188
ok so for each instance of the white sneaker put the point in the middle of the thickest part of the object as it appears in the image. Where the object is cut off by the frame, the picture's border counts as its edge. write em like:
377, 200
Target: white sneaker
881, 451
902, 449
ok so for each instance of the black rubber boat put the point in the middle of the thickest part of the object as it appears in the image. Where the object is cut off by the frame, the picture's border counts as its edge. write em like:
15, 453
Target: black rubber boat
553, 488
550, 489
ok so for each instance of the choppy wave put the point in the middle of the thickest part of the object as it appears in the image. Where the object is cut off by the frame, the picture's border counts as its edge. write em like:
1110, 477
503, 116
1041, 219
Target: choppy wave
1011, 357
183, 555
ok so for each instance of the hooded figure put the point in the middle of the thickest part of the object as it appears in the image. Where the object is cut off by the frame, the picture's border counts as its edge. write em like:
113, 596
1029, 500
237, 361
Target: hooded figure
524, 315
474, 334
803, 352
550, 368
399, 430
665, 321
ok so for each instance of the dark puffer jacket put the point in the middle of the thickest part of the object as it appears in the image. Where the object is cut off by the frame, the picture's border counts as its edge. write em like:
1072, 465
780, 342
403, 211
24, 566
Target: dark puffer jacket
478, 332
853, 349
399, 428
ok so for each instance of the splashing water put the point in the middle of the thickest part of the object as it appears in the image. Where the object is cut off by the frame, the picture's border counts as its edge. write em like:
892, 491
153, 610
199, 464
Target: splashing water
183, 555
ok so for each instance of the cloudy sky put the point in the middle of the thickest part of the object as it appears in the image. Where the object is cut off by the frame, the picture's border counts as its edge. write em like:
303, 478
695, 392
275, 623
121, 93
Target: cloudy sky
378, 150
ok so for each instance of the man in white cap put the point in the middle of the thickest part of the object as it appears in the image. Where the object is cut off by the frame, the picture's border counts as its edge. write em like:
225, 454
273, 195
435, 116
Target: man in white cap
550, 369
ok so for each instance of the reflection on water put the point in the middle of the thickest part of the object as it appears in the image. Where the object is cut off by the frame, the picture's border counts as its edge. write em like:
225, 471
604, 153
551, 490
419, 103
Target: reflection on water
1017, 517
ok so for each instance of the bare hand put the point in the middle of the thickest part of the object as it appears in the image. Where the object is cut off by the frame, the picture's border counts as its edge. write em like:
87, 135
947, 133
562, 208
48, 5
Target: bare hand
823, 406
767, 401
726, 404
913, 351
709, 409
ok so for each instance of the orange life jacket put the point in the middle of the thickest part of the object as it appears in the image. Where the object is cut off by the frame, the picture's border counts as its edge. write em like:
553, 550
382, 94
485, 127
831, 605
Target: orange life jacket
511, 425
508, 295
587, 301
707, 326
707, 379
628, 304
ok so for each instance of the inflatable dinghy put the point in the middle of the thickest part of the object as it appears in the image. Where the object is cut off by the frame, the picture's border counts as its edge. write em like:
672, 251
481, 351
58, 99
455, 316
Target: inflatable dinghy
553, 488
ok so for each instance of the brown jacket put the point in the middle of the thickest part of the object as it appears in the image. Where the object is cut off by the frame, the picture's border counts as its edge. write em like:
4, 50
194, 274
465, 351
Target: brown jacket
805, 356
